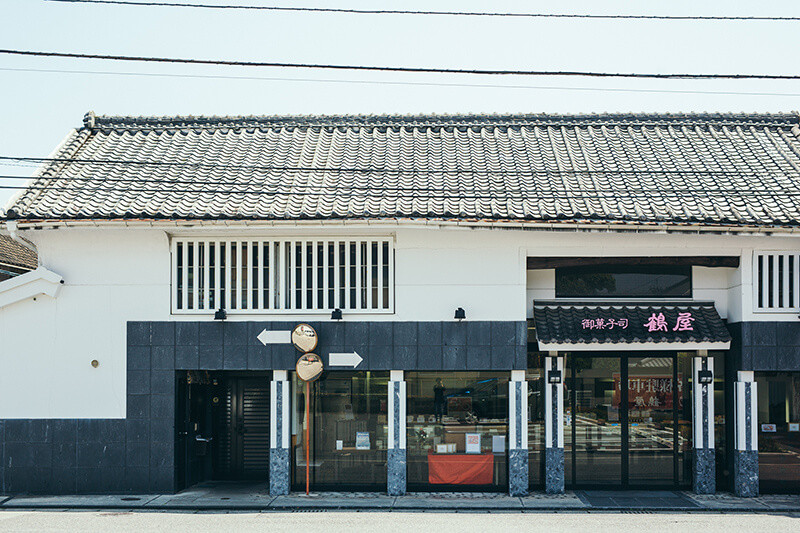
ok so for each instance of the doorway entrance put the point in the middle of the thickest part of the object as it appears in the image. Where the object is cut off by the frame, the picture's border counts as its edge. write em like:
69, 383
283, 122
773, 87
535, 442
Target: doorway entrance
628, 420
222, 427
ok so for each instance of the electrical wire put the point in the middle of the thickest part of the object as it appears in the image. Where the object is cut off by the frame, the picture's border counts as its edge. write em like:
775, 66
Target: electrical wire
428, 12
400, 83
370, 193
381, 170
416, 70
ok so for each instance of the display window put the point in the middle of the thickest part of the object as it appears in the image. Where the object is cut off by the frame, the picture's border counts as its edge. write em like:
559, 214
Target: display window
457, 430
779, 431
348, 431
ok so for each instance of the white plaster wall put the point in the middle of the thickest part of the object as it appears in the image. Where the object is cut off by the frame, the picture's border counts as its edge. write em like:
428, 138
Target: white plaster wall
115, 276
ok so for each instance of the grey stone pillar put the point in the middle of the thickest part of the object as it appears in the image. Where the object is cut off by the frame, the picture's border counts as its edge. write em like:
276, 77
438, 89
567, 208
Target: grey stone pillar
396, 456
704, 468
518, 434
554, 426
279, 434
745, 454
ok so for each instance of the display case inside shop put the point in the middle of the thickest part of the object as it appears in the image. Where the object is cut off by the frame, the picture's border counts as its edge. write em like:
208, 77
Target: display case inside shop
457, 427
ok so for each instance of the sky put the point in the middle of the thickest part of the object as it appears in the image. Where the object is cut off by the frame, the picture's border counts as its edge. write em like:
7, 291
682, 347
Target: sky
38, 109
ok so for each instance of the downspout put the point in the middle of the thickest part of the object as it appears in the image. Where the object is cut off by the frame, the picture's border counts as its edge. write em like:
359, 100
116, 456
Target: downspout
13, 231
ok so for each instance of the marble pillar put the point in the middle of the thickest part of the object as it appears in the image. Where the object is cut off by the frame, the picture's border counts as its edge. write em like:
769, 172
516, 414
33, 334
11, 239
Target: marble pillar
279, 434
518, 434
396, 454
554, 426
745, 453
703, 458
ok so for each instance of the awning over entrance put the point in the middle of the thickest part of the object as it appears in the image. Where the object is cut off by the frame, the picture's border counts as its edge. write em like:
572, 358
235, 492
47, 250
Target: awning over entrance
580, 326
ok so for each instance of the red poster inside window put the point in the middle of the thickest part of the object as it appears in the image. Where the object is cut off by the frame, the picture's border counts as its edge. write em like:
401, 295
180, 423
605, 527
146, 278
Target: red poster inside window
461, 469
648, 392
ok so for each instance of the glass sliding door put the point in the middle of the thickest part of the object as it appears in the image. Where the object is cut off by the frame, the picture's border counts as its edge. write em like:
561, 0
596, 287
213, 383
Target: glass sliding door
652, 397
595, 421
627, 420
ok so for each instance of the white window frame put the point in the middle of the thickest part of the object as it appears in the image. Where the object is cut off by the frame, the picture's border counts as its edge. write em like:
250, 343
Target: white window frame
763, 284
294, 258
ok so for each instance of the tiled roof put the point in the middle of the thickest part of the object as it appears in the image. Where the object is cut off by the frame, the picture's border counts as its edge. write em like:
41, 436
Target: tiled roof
14, 254
714, 169
624, 322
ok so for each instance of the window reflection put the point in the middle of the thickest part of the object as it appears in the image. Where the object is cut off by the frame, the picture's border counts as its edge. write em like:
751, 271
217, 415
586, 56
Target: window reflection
457, 426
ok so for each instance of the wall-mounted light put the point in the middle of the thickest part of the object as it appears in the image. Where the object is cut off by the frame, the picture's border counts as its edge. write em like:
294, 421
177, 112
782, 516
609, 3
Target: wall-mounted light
336, 314
705, 377
460, 314
554, 377
221, 314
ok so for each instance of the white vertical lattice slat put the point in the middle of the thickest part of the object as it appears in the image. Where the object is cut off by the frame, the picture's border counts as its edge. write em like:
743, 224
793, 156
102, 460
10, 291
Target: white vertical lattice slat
195, 275
314, 276
359, 278
184, 275
326, 301
206, 278
174, 261
370, 261
785, 285
381, 303
776, 287
391, 277
291, 275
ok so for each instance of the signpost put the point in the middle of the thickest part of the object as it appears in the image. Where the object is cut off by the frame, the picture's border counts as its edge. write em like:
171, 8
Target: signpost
309, 368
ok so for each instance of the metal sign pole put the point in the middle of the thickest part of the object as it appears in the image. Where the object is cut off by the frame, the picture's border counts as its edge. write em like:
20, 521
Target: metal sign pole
308, 426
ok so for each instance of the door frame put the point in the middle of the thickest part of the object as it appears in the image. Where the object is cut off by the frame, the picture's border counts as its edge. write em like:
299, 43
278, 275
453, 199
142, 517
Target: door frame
569, 369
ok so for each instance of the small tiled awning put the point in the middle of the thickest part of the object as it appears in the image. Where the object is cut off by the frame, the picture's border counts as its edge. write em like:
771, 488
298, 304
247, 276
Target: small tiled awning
579, 326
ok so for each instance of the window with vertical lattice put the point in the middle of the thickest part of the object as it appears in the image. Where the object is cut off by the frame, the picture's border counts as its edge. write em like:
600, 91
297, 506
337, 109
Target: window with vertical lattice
282, 275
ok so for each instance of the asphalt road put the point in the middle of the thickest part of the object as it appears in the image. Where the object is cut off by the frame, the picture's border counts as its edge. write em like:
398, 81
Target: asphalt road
430, 522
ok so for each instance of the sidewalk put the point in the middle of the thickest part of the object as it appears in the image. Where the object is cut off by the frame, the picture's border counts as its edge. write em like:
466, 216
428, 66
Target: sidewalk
233, 497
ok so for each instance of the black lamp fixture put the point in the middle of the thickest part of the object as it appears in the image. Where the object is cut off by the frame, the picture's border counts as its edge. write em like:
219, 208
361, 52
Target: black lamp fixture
336, 314
220, 314
705, 377
554, 377
460, 314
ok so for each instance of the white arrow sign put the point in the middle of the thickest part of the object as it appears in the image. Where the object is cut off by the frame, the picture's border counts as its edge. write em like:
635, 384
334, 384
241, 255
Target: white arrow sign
275, 337
351, 359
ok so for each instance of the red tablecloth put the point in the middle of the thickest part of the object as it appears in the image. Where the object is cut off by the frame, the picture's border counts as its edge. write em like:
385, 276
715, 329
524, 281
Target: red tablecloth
461, 469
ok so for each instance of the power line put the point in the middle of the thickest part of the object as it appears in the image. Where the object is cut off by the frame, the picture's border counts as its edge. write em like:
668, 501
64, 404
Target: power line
376, 193
382, 170
442, 13
399, 83
416, 70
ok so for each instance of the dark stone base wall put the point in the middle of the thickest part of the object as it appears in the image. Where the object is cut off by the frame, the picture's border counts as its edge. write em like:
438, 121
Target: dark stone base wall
397, 474
745, 473
766, 346
83, 456
518, 472
704, 471
136, 454
279, 477
554, 470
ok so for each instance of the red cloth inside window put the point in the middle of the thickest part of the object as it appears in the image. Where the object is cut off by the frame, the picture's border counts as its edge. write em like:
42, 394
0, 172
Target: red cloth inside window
461, 469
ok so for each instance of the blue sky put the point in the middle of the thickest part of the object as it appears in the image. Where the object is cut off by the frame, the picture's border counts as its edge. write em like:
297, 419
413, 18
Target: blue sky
37, 109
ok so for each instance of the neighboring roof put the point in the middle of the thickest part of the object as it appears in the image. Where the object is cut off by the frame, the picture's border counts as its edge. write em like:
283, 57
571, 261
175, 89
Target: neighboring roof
713, 169
580, 326
14, 254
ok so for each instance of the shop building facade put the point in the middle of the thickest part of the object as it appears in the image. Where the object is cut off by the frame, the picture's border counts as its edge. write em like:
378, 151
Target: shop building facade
516, 303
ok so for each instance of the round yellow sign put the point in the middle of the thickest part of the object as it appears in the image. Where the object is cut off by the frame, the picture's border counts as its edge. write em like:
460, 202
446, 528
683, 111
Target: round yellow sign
309, 367
304, 338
